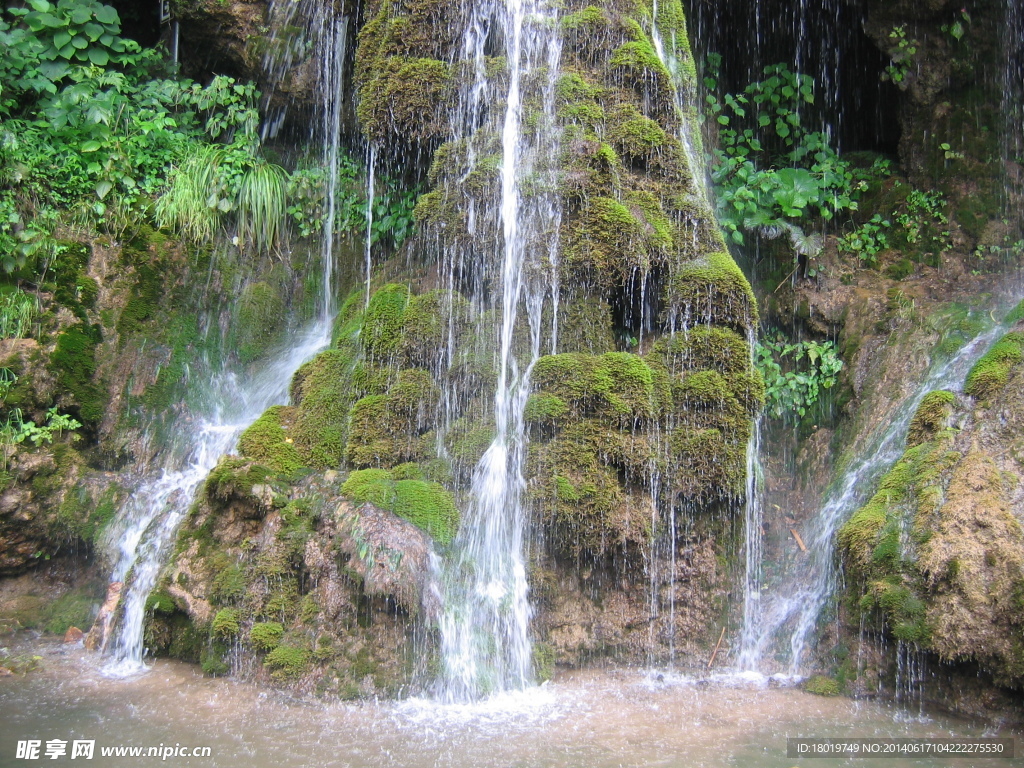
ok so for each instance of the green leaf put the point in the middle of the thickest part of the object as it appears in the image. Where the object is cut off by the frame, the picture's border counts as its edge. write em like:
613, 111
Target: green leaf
91, 146
107, 15
102, 188
81, 14
99, 57
62, 38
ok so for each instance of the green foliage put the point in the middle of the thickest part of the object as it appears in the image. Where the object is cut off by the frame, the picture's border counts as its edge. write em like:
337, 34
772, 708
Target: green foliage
262, 204
14, 431
901, 52
266, 635
17, 314
425, 504
89, 129
867, 240
796, 372
770, 173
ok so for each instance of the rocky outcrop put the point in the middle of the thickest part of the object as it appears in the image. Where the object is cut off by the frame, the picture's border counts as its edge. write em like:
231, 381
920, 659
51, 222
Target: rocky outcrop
294, 584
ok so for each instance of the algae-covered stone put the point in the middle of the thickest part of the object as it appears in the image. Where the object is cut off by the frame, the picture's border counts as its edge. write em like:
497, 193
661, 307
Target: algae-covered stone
269, 441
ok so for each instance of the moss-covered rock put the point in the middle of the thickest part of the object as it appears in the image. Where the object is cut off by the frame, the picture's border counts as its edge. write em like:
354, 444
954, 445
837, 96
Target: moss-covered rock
258, 321
269, 441
427, 505
990, 374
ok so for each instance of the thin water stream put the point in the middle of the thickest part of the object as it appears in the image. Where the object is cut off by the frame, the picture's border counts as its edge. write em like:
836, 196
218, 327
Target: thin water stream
581, 720
147, 523
781, 626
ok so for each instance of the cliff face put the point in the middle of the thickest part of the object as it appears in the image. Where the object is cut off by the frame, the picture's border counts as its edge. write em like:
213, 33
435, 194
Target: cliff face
304, 560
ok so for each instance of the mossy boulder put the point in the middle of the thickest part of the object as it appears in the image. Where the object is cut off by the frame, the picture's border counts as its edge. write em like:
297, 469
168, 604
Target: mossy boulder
269, 441
990, 374
258, 320
427, 505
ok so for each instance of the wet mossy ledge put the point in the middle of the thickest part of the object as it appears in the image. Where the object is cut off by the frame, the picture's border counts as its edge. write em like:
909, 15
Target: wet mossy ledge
935, 559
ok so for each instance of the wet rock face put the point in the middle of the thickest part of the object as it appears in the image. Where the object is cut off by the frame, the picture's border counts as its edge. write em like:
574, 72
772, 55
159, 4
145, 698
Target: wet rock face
293, 585
953, 584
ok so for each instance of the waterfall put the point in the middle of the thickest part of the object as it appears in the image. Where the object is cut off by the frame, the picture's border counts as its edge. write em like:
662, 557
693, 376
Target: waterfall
231, 400
485, 619
791, 609
149, 520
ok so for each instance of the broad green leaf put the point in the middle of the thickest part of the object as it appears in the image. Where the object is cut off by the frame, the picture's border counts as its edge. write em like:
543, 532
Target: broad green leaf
107, 15
102, 188
99, 57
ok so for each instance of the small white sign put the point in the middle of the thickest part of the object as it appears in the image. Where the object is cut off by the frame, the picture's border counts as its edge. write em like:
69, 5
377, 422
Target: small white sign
165, 11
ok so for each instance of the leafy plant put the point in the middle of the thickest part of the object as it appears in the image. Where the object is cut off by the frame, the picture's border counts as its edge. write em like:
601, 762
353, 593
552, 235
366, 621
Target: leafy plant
867, 240
18, 311
15, 431
901, 55
262, 204
771, 174
795, 373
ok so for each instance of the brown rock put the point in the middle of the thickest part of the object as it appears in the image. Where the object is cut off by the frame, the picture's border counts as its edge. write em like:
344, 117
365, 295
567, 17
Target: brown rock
98, 635
73, 635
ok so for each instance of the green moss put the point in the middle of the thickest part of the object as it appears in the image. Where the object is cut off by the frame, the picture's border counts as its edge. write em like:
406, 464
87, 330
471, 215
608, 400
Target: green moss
639, 61
991, 373
268, 440
73, 363
1015, 315
704, 348
74, 609
383, 321
225, 623
425, 504
287, 661
258, 320
160, 601
235, 477
373, 486
930, 417
323, 392
589, 18
406, 99
229, 585
618, 384
542, 409
266, 635
348, 323
432, 323
714, 291
636, 136
385, 430
584, 325
822, 685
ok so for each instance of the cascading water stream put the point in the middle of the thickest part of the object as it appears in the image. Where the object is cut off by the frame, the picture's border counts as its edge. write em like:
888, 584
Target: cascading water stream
230, 401
157, 506
789, 611
486, 612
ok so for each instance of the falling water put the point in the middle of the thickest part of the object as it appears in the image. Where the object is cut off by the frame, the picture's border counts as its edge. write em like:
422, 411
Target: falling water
789, 613
334, 39
158, 504
689, 132
231, 401
485, 641
753, 542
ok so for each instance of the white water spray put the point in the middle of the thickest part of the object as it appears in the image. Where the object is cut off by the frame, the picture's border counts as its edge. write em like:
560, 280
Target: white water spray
485, 623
